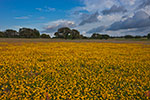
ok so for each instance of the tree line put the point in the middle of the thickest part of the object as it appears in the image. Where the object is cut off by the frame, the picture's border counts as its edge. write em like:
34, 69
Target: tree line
23, 33
63, 33
67, 33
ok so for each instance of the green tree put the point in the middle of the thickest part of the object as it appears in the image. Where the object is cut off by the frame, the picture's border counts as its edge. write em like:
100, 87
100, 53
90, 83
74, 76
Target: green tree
95, 36
64, 31
128, 36
29, 33
100, 36
137, 36
67, 33
10, 33
1, 34
105, 36
58, 35
45, 36
36, 32
148, 36
75, 34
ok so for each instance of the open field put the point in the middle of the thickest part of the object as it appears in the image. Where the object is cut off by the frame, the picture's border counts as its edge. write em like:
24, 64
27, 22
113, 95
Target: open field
59, 69
19, 40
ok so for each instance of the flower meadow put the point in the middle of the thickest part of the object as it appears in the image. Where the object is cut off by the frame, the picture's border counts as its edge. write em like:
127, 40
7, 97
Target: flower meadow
72, 71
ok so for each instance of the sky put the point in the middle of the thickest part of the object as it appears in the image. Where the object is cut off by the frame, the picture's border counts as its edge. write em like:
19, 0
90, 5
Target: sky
113, 17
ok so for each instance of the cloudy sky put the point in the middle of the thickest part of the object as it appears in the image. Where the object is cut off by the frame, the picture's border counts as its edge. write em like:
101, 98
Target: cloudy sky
113, 17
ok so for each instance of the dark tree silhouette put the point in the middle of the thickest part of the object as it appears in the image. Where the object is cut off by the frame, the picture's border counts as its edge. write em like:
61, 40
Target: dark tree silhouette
29, 33
45, 36
67, 33
148, 36
64, 31
1, 34
100, 36
10, 33
128, 36
75, 34
58, 35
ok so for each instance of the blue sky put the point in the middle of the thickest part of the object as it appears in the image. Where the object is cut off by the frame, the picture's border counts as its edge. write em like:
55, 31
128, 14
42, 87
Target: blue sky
32, 12
113, 17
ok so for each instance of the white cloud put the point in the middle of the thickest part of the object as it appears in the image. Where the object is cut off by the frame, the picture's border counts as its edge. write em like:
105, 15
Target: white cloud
17, 27
54, 25
99, 17
58, 22
98, 5
50, 9
90, 18
114, 9
139, 20
22, 17
80, 14
146, 9
92, 6
109, 19
128, 2
46, 9
39, 9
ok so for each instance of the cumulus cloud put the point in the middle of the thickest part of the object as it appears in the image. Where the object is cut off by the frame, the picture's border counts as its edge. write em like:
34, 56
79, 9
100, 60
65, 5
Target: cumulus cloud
98, 29
120, 16
97, 5
139, 20
100, 5
55, 25
111, 16
139, 31
114, 9
89, 18
144, 3
128, 2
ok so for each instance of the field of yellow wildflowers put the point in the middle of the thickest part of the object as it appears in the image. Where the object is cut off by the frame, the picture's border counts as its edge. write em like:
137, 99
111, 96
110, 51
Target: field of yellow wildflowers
45, 71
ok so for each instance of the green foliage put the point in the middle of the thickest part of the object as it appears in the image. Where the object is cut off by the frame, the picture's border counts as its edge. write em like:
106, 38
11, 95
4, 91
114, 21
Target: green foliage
10, 33
128, 36
67, 33
148, 36
75, 34
138, 37
64, 31
1, 34
29, 33
45, 36
100, 36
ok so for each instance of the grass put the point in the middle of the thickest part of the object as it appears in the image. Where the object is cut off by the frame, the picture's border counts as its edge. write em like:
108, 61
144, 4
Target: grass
116, 40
